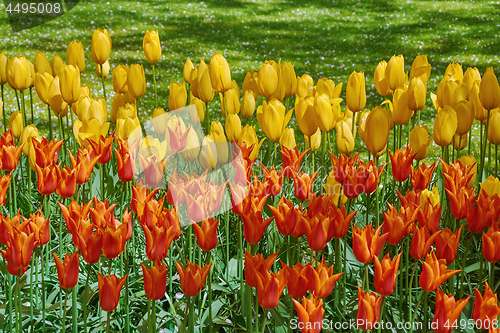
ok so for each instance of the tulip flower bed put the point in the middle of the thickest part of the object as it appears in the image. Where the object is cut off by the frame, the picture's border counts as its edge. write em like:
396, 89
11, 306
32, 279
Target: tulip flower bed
277, 204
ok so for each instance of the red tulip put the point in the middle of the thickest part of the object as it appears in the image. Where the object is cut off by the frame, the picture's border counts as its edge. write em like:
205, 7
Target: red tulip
486, 308
297, 281
291, 160
257, 263
341, 164
303, 184
421, 178
322, 280
434, 273
109, 291
421, 242
47, 179
270, 286
310, 314
192, 278
254, 226
401, 162
46, 152
10, 157
83, 164
273, 179
447, 312
491, 244
4, 186
286, 216
67, 272
385, 274
398, 224
460, 201
155, 280
447, 245
368, 309
102, 148
19, 249
367, 242
125, 159
207, 233
66, 184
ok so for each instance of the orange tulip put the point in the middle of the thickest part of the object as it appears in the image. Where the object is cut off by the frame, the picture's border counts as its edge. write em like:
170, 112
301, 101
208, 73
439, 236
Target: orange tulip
354, 181
158, 241
66, 184
155, 280
491, 244
39, 225
125, 159
286, 216
74, 214
153, 170
109, 290
372, 176
46, 152
385, 274
483, 213
270, 286
19, 249
447, 244
67, 272
322, 280
368, 309
297, 281
401, 162
457, 175
273, 179
317, 232
434, 273
460, 201
421, 242
116, 236
255, 264
421, 178
206, 233
310, 314
4, 186
429, 216
140, 196
447, 312
486, 308
367, 242
90, 244
103, 148
254, 226
6, 226
303, 183
340, 166
47, 179
192, 277
340, 224
83, 164
291, 160
398, 224
102, 213
9, 156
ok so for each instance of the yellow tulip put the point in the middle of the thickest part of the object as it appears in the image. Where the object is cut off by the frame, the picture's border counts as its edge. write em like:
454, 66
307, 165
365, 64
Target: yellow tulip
127, 111
118, 102
433, 196
208, 153
29, 132
451, 92
177, 126
42, 84
231, 101
377, 130
470, 160
465, 116
56, 101
89, 130
42, 64
69, 83
98, 110
177, 96
390, 111
1, 108
419, 142
120, 79
459, 141
136, 80
187, 70
234, 85
150, 146
327, 86
219, 138
445, 126
268, 79
151, 46
455, 71
220, 74
489, 90
75, 55
233, 127
379, 79
196, 76
306, 115
345, 139
205, 90
494, 127
16, 124
249, 136
197, 110
470, 77
279, 94
250, 83
334, 188
305, 84
313, 141
420, 68
100, 46
395, 72
83, 107
3, 68
19, 73
56, 64
32, 74
355, 92
105, 69
401, 113
288, 138
362, 123
160, 118
416, 94
324, 115
491, 186
128, 128
289, 78
273, 119
480, 113
192, 148
248, 104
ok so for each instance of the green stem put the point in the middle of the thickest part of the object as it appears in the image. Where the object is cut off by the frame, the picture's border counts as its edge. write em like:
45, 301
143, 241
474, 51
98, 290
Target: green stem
152, 318
248, 307
266, 311
227, 237
31, 102
127, 305
191, 315
103, 85
377, 207
256, 301
275, 152
74, 308
28, 169
49, 117
42, 260
154, 82
210, 318
33, 263
86, 301
496, 160
102, 168
365, 279
3, 113
23, 109
19, 305
423, 296
411, 286
64, 312
108, 319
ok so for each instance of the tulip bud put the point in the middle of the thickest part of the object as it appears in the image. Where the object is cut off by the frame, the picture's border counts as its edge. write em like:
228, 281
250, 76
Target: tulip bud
233, 127
494, 127
480, 113
445, 126
248, 104
432, 195
16, 124
380, 80
459, 142
288, 139
42, 84
267, 79
208, 154
306, 115
56, 64
29, 132
75, 55
273, 119
305, 85
250, 83
197, 110
401, 113
105, 69
177, 96
128, 128
56, 102
345, 139
192, 148
69, 83
205, 90
231, 102
465, 116
160, 118
42, 64
377, 130
313, 141
120, 79
470, 77
416, 94
420, 68
395, 72
100, 46
323, 112
362, 123
234, 85
419, 142
151, 46
455, 71
82, 107
187, 70
136, 80
489, 90
220, 74
355, 92
289, 78
3, 68
19, 73
98, 110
